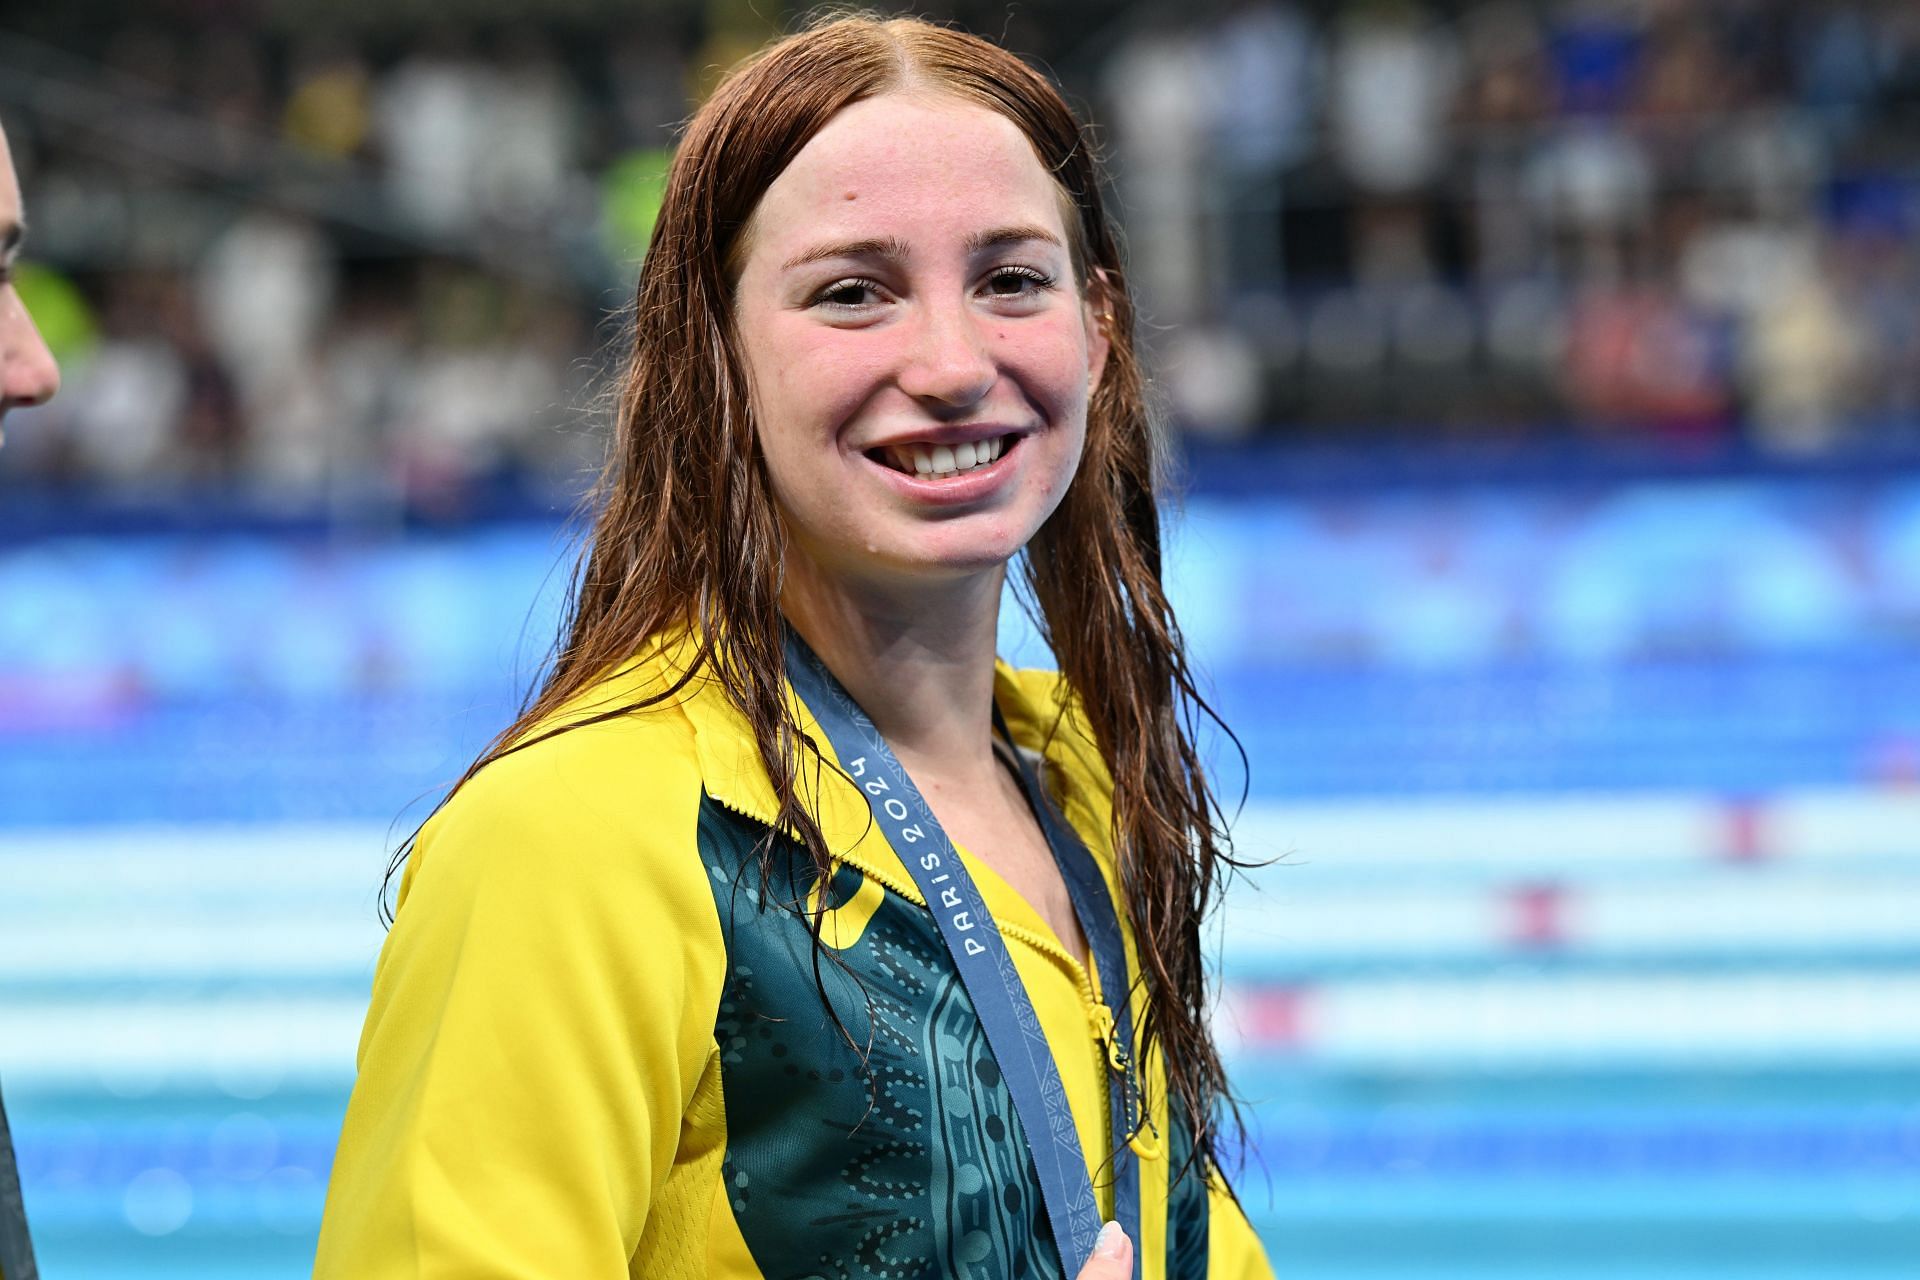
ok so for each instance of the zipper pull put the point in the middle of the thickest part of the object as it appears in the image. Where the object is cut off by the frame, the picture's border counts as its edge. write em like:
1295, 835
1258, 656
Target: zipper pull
1104, 1031
1144, 1140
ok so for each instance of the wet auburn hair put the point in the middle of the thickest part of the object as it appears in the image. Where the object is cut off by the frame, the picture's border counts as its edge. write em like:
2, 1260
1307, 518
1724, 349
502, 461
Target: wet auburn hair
685, 533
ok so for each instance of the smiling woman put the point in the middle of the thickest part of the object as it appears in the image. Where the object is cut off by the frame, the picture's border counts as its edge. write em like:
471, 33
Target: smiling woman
788, 933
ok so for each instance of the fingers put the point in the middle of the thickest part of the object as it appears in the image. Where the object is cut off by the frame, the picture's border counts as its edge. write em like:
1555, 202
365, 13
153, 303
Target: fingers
1112, 1256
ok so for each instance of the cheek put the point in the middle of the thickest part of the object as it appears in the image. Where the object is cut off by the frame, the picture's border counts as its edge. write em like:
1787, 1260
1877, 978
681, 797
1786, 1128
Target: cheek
1052, 366
1050, 359
811, 379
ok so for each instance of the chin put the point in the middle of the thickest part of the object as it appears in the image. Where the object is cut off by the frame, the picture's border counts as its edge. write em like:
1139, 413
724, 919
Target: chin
947, 567
941, 551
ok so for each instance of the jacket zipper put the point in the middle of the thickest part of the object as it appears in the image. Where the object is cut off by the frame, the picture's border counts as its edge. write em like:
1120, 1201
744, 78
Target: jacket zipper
1099, 1013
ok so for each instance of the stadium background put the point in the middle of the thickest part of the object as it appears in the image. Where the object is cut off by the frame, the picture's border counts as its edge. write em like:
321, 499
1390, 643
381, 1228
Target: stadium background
1546, 379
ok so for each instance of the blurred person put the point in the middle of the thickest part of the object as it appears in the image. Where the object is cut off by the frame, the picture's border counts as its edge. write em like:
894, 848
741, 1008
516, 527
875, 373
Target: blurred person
1156, 90
129, 394
210, 429
1638, 358
1263, 71
329, 111
265, 289
430, 116
1596, 50
528, 168
1394, 75
1503, 100
1595, 186
664, 995
1837, 67
481, 383
369, 360
1807, 357
1684, 86
28, 374
265, 292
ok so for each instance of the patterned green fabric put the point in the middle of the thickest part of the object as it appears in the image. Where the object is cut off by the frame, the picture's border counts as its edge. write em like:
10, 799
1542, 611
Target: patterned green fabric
913, 1166
1187, 1206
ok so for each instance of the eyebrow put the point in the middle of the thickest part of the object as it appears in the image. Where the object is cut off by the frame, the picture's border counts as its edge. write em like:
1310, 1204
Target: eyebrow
878, 247
1010, 235
894, 247
11, 234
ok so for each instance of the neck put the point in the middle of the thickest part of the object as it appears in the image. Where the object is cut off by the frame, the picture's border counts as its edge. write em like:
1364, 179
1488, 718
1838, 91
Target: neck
918, 660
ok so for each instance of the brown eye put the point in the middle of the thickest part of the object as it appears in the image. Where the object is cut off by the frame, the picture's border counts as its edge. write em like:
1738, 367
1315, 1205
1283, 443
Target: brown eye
1014, 282
847, 295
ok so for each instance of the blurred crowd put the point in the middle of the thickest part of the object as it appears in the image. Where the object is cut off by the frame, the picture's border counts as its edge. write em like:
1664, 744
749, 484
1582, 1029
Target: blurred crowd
1692, 218
331, 260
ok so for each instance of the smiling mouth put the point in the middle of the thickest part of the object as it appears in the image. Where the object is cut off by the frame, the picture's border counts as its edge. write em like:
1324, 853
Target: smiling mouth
939, 461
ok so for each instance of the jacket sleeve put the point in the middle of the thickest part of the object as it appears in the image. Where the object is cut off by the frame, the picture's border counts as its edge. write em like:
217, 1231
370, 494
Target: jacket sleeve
542, 1011
1234, 1252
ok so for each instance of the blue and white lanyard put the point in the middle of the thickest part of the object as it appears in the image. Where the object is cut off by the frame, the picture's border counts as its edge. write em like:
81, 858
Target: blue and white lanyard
1007, 1017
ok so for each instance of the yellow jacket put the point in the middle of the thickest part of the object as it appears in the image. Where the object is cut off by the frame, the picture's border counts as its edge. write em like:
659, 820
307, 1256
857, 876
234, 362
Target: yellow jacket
594, 1052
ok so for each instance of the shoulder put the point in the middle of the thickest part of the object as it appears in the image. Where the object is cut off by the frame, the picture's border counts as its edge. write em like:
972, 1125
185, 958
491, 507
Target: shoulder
603, 792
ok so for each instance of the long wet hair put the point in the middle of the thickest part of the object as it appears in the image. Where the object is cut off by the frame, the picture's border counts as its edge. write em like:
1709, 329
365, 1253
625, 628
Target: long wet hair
685, 534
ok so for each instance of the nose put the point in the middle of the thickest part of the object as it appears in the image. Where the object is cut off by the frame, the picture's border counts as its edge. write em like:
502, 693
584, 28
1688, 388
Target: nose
28, 374
948, 362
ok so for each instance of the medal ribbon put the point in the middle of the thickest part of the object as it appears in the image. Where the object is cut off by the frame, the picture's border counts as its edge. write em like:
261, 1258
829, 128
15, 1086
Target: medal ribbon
986, 969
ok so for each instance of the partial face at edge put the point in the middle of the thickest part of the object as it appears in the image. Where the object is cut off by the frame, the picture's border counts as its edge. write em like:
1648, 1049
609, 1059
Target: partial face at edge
920, 353
28, 374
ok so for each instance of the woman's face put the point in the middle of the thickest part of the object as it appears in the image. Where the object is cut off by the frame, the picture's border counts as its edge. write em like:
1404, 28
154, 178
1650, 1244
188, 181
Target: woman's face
919, 352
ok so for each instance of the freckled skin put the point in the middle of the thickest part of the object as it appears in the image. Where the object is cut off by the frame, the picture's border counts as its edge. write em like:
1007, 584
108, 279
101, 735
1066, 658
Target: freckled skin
941, 336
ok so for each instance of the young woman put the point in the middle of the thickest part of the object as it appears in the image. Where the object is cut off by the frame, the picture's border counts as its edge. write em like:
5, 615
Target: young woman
787, 933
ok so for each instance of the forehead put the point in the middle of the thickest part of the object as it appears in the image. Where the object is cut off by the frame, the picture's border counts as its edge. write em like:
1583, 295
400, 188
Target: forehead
906, 163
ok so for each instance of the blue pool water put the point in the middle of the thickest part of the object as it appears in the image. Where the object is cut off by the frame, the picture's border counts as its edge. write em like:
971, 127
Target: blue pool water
1590, 951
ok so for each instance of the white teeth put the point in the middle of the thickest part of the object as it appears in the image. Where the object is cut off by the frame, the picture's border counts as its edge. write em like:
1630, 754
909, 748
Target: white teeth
945, 460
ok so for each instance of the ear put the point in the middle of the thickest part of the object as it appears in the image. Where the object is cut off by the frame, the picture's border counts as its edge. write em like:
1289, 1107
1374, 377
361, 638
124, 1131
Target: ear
1098, 314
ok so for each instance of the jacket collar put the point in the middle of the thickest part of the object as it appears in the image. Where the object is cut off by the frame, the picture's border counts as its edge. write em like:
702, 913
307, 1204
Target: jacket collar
733, 776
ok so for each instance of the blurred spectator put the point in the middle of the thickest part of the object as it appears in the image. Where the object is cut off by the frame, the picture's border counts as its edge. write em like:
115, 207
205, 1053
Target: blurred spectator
266, 287
1637, 356
124, 403
1262, 74
526, 167
1503, 98
211, 428
328, 261
330, 108
1807, 358
1156, 88
1393, 78
431, 113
